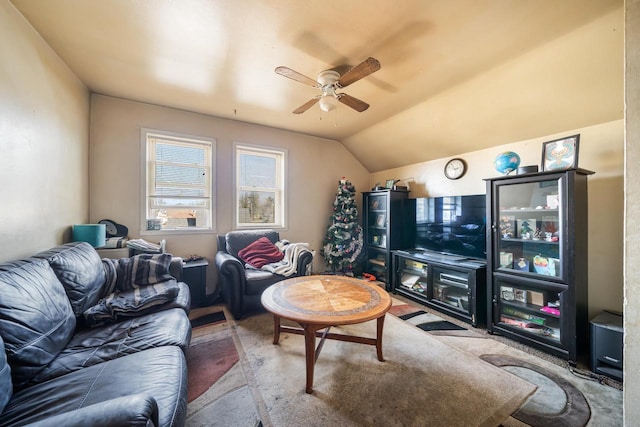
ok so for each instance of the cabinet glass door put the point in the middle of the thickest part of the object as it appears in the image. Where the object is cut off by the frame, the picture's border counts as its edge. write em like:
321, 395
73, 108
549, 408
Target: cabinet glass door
529, 228
528, 310
377, 221
413, 276
451, 288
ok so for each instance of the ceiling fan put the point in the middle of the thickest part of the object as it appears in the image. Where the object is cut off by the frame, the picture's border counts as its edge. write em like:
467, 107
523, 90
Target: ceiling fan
329, 81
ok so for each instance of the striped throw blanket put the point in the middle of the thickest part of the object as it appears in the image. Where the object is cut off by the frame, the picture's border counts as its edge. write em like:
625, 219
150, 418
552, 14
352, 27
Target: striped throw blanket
289, 264
133, 285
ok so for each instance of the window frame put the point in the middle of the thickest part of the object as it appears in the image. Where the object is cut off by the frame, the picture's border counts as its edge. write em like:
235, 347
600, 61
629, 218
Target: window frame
281, 156
146, 184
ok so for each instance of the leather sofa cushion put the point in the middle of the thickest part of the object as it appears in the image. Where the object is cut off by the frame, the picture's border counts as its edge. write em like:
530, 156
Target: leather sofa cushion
259, 280
238, 240
91, 346
6, 388
79, 269
260, 253
36, 320
159, 372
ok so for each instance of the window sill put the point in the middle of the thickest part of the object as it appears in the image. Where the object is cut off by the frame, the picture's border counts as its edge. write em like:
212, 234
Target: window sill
260, 227
177, 231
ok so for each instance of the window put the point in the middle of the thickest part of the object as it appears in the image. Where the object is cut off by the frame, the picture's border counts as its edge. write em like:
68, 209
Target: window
260, 192
179, 182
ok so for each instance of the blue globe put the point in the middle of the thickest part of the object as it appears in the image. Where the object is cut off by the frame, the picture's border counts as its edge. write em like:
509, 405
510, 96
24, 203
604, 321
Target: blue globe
506, 162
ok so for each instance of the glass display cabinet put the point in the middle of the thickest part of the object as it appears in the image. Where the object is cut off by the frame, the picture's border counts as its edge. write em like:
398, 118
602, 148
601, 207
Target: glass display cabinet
537, 260
384, 231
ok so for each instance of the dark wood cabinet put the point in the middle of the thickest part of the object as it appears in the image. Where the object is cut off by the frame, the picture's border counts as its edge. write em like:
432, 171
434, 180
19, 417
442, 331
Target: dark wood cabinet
384, 231
537, 260
451, 284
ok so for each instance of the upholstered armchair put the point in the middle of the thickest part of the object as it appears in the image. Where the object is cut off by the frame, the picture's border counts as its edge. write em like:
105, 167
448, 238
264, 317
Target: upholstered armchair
241, 283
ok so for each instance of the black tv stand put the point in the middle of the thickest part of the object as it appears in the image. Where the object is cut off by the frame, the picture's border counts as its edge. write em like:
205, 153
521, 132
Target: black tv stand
452, 284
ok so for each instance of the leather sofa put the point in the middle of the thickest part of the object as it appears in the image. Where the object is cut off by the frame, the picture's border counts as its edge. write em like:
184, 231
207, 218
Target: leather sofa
57, 370
242, 286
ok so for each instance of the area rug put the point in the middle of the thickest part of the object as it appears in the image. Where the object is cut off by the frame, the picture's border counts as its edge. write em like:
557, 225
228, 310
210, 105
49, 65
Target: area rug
562, 399
208, 319
218, 392
429, 322
422, 381
557, 402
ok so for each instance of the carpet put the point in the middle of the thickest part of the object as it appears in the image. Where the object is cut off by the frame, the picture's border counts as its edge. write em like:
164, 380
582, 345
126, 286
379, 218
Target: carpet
422, 381
266, 385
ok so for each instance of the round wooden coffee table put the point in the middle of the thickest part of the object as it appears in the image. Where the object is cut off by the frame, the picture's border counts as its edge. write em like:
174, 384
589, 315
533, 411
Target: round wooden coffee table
319, 302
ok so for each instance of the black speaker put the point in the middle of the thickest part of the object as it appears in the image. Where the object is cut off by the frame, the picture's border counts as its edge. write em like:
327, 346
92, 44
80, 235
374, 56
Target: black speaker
606, 344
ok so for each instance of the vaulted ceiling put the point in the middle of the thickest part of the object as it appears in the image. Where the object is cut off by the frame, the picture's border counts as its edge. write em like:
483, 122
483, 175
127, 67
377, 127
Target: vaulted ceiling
456, 76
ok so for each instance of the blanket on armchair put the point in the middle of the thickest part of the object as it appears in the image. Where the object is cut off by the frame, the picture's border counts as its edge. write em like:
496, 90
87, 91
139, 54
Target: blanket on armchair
288, 265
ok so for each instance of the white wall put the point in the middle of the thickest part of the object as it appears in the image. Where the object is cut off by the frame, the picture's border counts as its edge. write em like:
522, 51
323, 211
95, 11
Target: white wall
632, 220
601, 149
44, 142
314, 167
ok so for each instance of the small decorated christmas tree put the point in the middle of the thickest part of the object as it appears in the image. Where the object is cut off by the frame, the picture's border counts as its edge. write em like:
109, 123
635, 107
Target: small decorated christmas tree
342, 244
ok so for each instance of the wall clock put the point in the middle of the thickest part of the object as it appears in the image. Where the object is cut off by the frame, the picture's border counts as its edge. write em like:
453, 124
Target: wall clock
455, 168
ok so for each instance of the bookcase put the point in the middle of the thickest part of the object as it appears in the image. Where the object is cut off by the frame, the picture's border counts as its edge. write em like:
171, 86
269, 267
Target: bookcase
537, 260
384, 230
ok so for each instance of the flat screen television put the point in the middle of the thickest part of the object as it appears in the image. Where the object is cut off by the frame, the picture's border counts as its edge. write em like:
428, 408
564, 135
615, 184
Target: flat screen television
454, 225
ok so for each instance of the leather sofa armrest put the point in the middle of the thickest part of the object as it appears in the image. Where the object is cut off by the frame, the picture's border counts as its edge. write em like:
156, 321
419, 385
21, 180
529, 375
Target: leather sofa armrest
133, 410
231, 280
227, 263
175, 268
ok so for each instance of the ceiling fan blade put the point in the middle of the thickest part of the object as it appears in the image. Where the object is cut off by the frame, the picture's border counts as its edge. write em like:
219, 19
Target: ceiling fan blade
352, 102
304, 107
368, 66
294, 75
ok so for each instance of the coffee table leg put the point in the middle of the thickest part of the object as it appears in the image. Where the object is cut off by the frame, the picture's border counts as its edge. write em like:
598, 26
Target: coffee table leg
379, 337
276, 329
310, 354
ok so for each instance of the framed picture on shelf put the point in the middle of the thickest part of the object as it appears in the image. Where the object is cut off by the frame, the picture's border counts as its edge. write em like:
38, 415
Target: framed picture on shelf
380, 220
507, 226
389, 184
506, 259
526, 228
560, 154
520, 295
506, 293
521, 264
383, 240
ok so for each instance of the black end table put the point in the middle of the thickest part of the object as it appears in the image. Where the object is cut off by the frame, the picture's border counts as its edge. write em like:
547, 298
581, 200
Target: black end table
194, 274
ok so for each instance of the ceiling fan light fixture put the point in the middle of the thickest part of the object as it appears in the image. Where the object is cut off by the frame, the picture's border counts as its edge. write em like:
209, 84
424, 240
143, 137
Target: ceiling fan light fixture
330, 80
328, 103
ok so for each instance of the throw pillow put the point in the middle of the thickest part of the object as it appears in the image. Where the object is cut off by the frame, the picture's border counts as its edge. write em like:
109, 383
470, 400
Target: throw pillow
260, 253
132, 302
